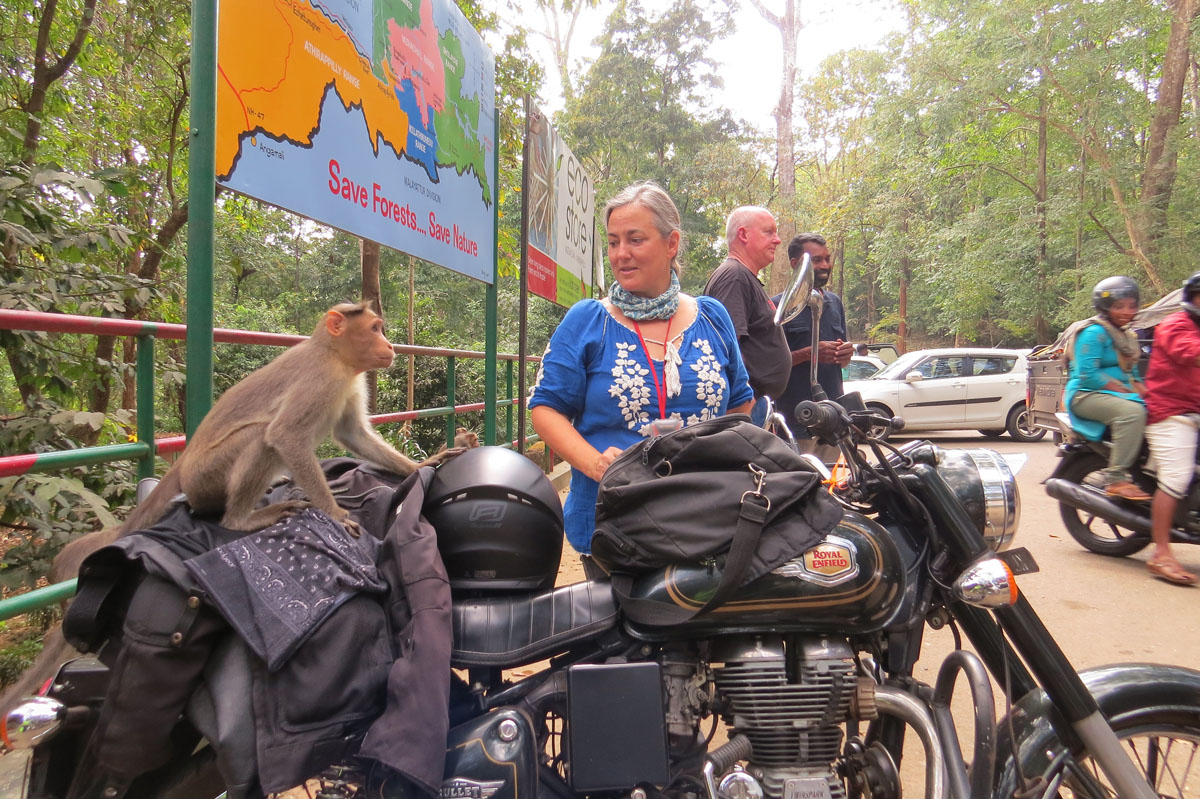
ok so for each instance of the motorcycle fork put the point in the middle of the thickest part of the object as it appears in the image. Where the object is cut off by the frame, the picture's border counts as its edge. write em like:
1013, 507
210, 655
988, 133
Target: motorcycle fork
1034, 643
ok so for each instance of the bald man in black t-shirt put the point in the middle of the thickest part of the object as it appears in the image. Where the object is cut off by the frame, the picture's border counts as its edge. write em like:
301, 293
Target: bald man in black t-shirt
752, 237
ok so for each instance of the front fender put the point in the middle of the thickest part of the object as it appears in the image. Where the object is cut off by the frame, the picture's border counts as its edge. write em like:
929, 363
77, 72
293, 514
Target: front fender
1122, 690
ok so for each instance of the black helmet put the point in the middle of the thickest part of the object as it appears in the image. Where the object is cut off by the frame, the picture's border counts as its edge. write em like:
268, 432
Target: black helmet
1191, 286
499, 521
1111, 289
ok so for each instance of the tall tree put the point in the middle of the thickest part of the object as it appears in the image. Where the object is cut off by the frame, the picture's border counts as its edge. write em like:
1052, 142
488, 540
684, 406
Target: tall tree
560, 17
788, 23
643, 112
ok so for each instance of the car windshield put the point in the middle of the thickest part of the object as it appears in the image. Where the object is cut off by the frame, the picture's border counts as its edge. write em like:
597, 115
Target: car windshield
897, 369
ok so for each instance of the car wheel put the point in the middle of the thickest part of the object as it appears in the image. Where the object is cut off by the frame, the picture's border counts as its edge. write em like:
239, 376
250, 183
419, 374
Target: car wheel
1019, 426
991, 433
879, 432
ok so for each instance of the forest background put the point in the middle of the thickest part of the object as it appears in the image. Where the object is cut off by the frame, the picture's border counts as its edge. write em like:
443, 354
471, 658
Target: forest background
975, 175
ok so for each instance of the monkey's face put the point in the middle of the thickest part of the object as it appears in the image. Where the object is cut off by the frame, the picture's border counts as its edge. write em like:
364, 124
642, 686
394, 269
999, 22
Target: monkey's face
364, 342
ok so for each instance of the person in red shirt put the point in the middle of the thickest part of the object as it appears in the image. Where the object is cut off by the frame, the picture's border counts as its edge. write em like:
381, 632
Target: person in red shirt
1172, 422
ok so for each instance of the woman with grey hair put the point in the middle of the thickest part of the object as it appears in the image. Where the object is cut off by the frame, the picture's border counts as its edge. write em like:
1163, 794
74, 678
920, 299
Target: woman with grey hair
646, 360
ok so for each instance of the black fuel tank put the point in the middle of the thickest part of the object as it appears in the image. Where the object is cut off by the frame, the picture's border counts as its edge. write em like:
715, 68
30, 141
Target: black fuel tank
491, 757
852, 582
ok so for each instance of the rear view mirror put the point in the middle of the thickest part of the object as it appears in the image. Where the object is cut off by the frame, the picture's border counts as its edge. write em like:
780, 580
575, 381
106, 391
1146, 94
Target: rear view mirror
797, 293
914, 377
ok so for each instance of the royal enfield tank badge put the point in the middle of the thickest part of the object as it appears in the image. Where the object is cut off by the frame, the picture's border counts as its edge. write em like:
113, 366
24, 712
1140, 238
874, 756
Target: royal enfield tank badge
459, 788
831, 562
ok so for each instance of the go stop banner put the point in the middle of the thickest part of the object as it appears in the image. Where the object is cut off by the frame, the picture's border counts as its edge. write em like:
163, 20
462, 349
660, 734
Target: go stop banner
559, 218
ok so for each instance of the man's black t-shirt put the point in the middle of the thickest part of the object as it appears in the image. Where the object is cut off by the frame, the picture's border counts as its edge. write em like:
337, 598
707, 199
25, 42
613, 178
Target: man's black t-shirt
764, 348
799, 336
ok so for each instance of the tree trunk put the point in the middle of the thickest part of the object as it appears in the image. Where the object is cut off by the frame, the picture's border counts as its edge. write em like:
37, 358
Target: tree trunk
1079, 214
372, 293
905, 276
1195, 74
871, 278
1158, 178
560, 40
129, 383
147, 264
45, 74
788, 24
1041, 330
101, 393
839, 260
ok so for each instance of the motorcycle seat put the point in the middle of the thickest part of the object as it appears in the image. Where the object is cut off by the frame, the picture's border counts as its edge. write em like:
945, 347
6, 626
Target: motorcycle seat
514, 630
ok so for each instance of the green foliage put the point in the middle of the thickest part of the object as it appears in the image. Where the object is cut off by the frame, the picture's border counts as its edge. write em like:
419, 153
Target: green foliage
22, 642
17, 657
41, 512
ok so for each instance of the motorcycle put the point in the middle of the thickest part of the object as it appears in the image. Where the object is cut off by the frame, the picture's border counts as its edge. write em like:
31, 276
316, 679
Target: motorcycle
808, 671
1103, 524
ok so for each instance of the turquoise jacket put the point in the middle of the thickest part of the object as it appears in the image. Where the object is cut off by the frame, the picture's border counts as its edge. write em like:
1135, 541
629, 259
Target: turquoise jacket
1094, 364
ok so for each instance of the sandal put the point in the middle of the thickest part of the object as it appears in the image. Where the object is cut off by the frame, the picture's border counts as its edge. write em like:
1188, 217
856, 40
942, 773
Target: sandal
1171, 571
1126, 490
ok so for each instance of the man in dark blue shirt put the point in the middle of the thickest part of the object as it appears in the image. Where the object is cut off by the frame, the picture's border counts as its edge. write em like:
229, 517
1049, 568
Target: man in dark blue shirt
834, 350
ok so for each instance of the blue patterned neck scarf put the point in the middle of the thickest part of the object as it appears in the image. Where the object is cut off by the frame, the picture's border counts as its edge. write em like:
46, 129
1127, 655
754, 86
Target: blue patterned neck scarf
640, 308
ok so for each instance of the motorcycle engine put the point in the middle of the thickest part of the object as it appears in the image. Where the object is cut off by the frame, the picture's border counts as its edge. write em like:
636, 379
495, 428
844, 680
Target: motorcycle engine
789, 701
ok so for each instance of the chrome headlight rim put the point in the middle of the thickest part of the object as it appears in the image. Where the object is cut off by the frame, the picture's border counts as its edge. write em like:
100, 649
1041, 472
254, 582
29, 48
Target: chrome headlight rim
986, 485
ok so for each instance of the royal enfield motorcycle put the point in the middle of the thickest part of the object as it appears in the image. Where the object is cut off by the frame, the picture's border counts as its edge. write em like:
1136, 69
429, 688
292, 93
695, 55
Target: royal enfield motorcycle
800, 686
1108, 525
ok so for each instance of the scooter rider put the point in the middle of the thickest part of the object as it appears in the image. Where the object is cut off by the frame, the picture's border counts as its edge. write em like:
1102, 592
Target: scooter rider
1104, 389
1173, 418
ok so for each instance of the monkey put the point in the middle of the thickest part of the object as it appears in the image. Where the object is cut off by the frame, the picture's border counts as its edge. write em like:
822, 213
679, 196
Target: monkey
463, 439
270, 422
273, 420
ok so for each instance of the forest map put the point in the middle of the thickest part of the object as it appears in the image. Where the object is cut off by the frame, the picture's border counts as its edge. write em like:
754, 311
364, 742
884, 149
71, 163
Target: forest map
373, 116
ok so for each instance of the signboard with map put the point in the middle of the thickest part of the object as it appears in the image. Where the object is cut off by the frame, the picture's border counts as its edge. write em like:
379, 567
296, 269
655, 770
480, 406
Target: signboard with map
560, 216
374, 116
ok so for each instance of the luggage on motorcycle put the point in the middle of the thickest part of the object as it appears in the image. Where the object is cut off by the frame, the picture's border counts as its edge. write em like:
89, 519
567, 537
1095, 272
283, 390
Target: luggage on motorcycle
715, 487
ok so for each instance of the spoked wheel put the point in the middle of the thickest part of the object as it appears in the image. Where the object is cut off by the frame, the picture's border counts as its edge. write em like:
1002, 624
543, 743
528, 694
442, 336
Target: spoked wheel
1167, 754
1093, 532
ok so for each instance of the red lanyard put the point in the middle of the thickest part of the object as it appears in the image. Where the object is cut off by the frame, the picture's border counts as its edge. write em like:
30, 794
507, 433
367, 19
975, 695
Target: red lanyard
661, 392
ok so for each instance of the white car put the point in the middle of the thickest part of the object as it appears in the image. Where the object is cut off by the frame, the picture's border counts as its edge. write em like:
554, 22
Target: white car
953, 389
861, 367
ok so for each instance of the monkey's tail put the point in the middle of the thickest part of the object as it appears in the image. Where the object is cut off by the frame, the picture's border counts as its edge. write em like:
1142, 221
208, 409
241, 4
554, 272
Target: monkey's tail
155, 505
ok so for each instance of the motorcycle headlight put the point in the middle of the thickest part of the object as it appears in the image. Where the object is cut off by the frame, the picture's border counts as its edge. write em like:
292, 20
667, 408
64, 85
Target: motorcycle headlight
986, 486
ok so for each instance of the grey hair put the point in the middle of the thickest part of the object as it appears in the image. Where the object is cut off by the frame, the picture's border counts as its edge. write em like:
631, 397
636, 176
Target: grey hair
654, 199
738, 218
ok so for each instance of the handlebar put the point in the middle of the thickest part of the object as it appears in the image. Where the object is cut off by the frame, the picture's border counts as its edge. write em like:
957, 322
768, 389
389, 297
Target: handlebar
830, 421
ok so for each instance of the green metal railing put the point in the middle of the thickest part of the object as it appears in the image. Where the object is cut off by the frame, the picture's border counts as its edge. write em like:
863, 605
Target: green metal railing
144, 449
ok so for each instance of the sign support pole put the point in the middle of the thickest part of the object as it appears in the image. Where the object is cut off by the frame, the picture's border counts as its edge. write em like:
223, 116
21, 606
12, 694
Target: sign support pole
202, 167
522, 344
490, 342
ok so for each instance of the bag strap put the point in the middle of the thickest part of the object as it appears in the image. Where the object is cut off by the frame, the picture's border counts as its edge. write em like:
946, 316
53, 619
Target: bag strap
751, 518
